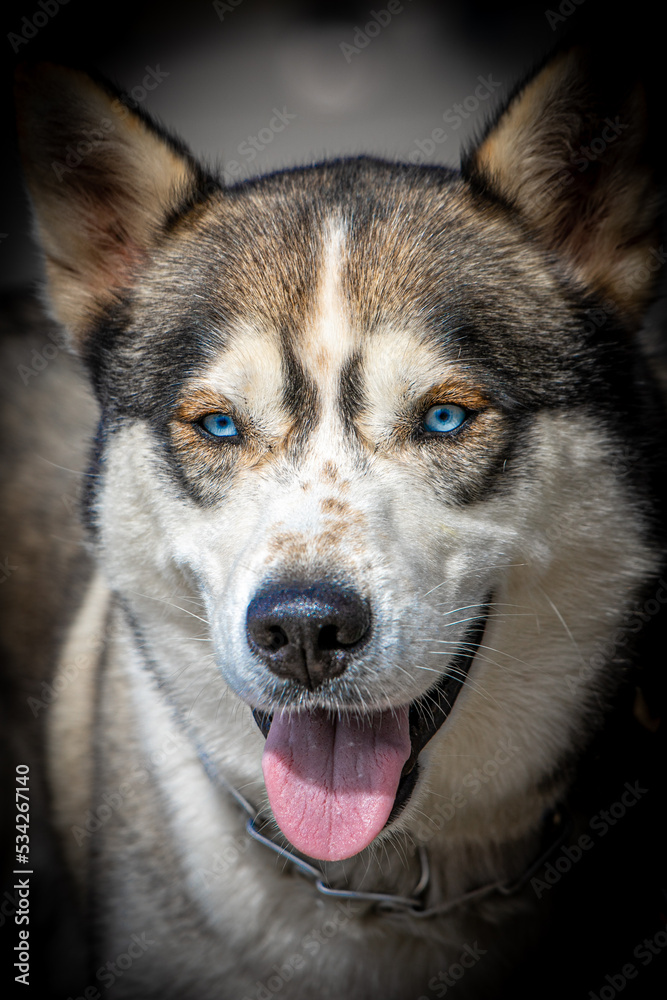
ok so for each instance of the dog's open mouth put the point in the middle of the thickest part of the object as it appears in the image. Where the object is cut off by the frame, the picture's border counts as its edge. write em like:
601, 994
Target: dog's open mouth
334, 783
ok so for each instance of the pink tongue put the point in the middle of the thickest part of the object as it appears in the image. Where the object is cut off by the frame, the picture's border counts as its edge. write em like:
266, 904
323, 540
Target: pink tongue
332, 784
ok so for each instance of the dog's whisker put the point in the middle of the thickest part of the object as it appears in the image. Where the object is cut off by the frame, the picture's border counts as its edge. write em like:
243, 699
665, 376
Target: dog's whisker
490, 604
433, 589
482, 646
460, 621
80, 543
75, 472
466, 676
566, 627
221, 703
497, 616
172, 678
469, 681
162, 600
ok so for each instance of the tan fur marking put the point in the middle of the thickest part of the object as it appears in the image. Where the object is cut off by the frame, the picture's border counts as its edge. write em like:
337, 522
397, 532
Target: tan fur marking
501, 150
331, 505
208, 462
290, 548
200, 401
326, 541
457, 389
330, 471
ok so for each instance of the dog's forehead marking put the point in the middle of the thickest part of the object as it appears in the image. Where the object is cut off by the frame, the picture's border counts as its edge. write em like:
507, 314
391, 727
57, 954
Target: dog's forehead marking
329, 339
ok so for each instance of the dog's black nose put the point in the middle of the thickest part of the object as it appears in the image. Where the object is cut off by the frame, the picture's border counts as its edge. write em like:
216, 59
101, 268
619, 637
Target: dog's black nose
307, 633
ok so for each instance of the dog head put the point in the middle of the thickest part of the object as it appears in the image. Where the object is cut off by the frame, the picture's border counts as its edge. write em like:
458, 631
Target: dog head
357, 458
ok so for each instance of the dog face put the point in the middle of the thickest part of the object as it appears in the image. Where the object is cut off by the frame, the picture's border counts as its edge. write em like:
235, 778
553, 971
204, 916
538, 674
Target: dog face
356, 463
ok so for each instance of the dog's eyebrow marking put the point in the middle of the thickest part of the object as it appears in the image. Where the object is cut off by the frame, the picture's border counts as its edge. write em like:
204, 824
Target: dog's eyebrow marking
198, 400
458, 389
249, 373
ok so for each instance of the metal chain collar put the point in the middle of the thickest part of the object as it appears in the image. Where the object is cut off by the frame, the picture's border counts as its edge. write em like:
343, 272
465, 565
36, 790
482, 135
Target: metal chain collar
557, 825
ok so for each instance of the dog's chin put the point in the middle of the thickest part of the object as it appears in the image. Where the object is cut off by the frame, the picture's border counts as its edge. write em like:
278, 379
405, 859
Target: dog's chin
385, 751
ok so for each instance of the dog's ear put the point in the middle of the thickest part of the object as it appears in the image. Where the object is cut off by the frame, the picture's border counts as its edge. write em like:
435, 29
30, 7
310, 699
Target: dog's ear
571, 153
103, 179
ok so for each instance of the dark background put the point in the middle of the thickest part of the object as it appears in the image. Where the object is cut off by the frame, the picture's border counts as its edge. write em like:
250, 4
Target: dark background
226, 76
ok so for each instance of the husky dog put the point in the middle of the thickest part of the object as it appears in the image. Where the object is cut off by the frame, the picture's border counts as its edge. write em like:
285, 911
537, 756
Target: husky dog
367, 551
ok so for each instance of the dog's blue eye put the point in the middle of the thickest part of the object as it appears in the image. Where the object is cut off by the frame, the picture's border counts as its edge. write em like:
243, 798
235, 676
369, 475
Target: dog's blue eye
444, 419
219, 425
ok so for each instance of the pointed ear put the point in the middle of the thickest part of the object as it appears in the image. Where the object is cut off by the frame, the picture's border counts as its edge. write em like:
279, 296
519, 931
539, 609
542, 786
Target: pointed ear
103, 181
570, 153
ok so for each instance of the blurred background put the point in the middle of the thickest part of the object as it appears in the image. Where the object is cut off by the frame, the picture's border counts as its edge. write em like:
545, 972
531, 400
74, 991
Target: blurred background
348, 77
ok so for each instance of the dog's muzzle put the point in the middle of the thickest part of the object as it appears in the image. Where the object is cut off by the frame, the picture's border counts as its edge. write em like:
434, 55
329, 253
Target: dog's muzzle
335, 781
